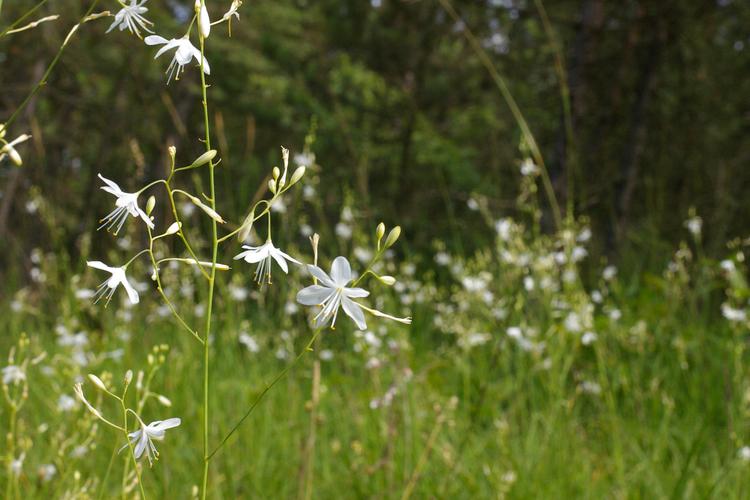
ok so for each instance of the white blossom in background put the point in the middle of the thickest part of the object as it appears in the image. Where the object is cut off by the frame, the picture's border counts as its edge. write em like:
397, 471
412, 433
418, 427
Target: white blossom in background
16, 466
13, 374
108, 287
47, 472
249, 342
588, 338
126, 203
694, 225
732, 313
609, 273
130, 17
183, 55
744, 453
529, 168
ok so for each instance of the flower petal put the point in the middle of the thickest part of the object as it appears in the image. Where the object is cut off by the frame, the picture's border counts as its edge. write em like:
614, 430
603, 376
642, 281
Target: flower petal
166, 424
356, 293
321, 276
341, 271
155, 40
355, 312
132, 293
96, 264
314, 295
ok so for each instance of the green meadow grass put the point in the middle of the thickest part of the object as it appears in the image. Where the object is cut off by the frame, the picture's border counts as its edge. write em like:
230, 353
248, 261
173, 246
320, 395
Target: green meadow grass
486, 422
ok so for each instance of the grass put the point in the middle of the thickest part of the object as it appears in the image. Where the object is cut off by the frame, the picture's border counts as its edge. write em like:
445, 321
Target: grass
485, 422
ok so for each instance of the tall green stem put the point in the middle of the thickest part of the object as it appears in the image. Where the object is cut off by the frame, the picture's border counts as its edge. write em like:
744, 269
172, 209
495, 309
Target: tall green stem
212, 275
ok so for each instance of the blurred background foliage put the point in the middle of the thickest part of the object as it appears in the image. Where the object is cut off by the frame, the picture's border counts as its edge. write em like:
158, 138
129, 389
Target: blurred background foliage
408, 123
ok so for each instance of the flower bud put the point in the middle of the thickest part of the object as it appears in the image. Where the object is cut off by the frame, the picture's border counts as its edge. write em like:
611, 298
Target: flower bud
204, 158
15, 157
387, 280
97, 382
297, 175
128, 377
272, 186
204, 22
172, 152
150, 204
276, 172
208, 210
393, 236
164, 400
380, 231
175, 227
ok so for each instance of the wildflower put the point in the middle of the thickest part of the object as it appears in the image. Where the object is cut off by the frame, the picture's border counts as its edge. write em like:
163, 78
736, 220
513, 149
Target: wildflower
47, 472
694, 225
588, 338
233, 11
65, 403
732, 313
109, 286
16, 466
332, 293
13, 374
126, 203
184, 54
263, 255
744, 453
8, 148
249, 342
130, 17
528, 168
609, 273
143, 438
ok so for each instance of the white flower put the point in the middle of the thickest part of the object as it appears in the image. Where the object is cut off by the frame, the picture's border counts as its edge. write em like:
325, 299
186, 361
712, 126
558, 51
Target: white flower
126, 203
143, 438
16, 466
332, 292
130, 17
263, 255
609, 273
744, 453
109, 286
13, 374
184, 54
588, 338
694, 225
528, 167
732, 313
9, 149
66, 403
249, 342
47, 472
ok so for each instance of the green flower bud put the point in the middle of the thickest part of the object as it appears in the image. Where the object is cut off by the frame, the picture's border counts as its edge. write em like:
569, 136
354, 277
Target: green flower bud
150, 204
204, 158
393, 236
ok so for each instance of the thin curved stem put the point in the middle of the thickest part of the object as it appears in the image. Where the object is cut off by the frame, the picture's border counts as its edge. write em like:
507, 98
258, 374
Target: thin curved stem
22, 18
51, 66
514, 109
278, 377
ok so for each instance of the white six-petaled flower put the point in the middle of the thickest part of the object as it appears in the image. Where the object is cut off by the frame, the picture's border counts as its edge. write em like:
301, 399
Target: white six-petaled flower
109, 286
13, 374
332, 292
263, 255
184, 54
143, 438
130, 17
126, 203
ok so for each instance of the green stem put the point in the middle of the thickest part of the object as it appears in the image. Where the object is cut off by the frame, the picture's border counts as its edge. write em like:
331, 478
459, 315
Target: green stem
281, 375
212, 276
52, 65
130, 446
514, 109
